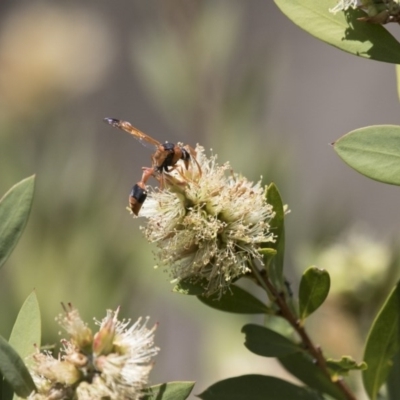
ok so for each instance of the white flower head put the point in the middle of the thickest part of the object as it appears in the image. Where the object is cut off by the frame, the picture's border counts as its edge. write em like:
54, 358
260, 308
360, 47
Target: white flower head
344, 5
207, 221
378, 11
115, 365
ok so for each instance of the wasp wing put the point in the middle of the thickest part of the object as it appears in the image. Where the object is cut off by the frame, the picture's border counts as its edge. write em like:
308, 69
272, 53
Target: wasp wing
144, 139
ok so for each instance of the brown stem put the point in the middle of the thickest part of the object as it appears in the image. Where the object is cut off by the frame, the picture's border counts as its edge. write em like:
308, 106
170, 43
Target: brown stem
314, 350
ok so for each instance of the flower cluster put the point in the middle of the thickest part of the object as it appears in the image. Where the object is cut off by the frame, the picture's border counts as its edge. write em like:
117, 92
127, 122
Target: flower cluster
208, 222
378, 11
113, 364
344, 5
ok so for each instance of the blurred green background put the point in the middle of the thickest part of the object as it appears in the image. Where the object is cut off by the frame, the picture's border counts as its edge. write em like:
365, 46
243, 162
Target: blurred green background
234, 76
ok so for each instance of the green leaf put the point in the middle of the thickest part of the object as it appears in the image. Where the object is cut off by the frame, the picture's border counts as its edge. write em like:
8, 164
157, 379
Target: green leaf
303, 368
26, 332
168, 391
382, 344
393, 381
374, 151
314, 288
14, 370
256, 387
189, 288
280, 325
345, 365
342, 30
6, 393
14, 211
274, 263
267, 343
277, 227
236, 300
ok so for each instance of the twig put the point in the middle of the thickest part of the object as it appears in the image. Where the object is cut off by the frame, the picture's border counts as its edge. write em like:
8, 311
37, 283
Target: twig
285, 312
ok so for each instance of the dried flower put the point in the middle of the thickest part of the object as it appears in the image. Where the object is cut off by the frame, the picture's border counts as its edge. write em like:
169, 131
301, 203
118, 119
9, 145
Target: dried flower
208, 222
113, 364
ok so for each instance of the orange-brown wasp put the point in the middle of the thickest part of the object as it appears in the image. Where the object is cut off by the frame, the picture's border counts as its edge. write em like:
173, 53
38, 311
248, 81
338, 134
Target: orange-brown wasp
164, 159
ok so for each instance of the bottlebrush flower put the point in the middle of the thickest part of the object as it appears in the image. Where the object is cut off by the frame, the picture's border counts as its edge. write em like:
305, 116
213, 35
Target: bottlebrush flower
207, 221
344, 5
112, 364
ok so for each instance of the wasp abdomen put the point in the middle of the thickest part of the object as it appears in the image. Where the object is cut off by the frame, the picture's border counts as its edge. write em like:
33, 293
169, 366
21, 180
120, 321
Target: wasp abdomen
138, 193
136, 198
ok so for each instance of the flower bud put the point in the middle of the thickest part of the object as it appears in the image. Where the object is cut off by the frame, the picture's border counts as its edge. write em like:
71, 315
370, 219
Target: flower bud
104, 338
80, 333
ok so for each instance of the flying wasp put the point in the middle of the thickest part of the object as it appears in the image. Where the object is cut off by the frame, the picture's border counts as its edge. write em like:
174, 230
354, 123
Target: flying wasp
164, 159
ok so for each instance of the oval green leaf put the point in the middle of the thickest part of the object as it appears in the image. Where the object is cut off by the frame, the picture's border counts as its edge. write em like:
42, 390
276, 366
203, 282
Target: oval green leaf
303, 368
14, 212
14, 370
235, 300
168, 391
267, 343
277, 222
382, 344
342, 30
374, 151
26, 332
256, 387
6, 392
277, 226
274, 264
314, 289
393, 381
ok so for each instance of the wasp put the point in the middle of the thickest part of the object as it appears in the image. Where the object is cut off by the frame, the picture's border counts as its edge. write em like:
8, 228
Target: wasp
164, 159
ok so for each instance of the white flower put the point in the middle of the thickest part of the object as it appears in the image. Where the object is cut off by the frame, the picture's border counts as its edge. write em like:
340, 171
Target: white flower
208, 222
344, 5
126, 369
378, 12
114, 365
80, 333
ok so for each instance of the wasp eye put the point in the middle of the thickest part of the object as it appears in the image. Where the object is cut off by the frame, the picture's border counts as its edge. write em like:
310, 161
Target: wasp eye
168, 146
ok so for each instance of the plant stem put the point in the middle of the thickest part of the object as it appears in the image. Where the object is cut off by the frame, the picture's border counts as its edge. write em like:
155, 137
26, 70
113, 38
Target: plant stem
285, 312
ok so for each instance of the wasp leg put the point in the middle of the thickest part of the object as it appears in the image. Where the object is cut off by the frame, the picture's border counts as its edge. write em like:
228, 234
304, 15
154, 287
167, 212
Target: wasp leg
147, 173
193, 155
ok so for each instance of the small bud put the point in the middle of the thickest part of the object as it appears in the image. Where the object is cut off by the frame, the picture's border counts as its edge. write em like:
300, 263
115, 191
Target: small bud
80, 333
104, 338
56, 370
